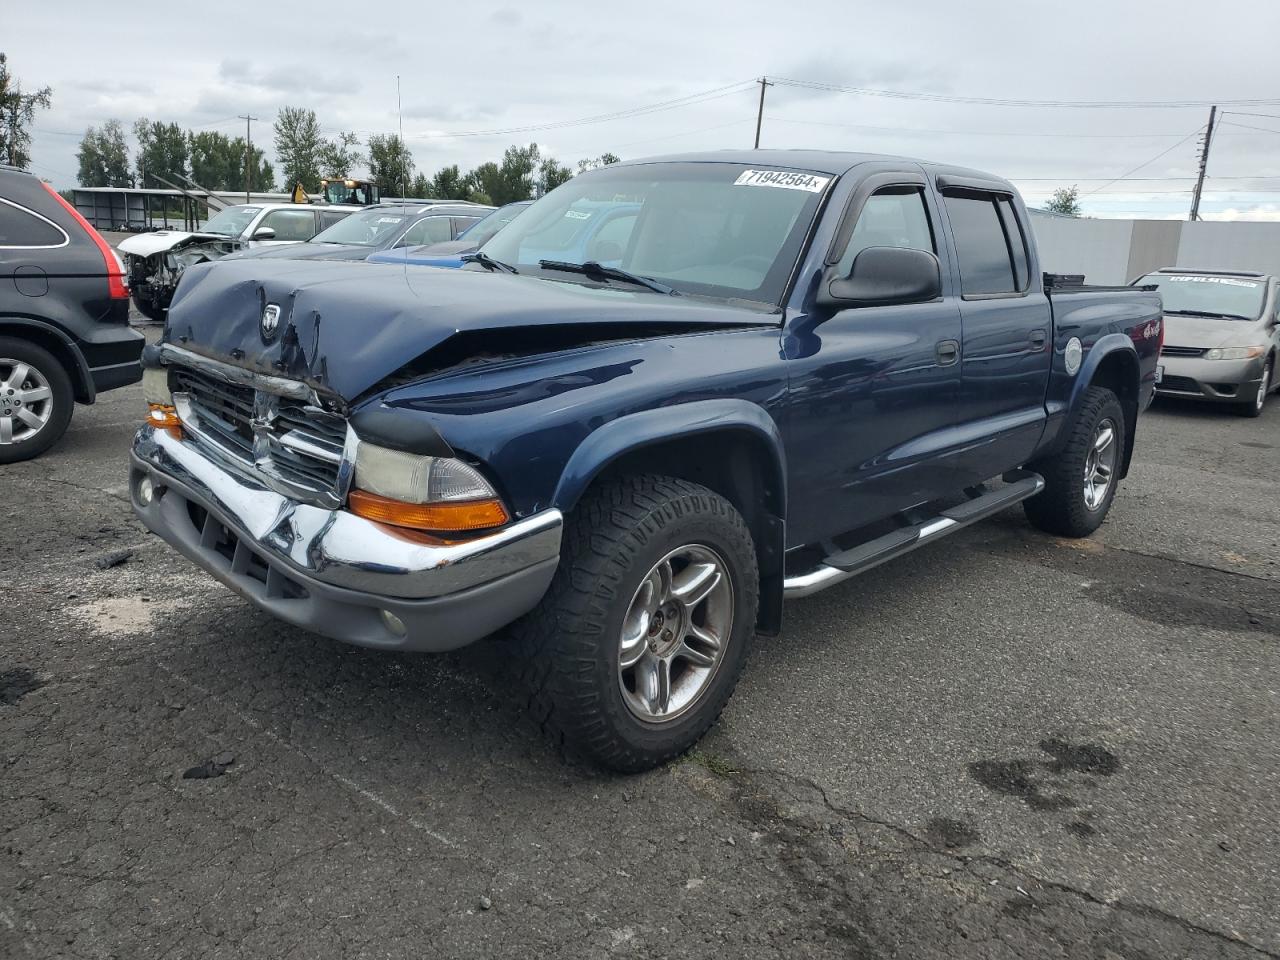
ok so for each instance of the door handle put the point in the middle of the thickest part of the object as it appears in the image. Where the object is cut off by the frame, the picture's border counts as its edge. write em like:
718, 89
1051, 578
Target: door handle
1038, 338
948, 352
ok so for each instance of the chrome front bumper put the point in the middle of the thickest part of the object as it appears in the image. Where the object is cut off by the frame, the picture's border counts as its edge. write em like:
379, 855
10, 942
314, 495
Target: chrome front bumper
331, 571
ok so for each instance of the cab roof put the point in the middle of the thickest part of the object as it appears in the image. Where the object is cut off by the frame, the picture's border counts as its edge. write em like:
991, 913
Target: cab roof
831, 162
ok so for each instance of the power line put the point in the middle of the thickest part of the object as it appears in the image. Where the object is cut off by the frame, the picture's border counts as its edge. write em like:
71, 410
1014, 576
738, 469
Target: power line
1145, 163
1245, 126
1008, 102
686, 101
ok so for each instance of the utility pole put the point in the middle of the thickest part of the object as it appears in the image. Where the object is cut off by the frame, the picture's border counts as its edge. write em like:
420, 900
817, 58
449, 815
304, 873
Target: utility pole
248, 153
764, 82
1204, 164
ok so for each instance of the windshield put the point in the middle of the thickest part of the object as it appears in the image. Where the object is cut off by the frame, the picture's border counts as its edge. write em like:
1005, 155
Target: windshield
232, 221
366, 229
1220, 296
481, 232
720, 230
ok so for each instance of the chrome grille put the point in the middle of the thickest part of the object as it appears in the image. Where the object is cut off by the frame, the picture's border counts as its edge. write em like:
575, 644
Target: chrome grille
287, 439
1170, 351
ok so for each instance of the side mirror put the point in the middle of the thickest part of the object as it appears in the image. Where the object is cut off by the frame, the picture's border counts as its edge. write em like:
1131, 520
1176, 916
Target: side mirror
882, 276
264, 233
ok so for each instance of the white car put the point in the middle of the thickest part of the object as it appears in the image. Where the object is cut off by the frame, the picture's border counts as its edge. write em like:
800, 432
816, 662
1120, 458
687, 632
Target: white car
155, 261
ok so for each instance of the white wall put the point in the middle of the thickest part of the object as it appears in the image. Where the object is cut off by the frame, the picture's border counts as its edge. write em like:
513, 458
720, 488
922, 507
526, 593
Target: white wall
1097, 248
1230, 246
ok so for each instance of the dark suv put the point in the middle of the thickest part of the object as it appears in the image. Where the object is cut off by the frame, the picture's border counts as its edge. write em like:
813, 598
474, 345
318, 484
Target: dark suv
64, 316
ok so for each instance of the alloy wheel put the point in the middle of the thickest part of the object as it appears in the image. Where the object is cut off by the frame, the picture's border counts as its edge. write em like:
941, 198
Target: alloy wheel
1100, 464
674, 633
26, 401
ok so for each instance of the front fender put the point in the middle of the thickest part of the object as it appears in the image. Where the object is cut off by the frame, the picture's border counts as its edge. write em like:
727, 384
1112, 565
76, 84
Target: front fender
612, 440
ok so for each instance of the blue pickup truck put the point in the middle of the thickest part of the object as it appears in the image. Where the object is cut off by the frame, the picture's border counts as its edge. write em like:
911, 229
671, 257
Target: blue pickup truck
796, 366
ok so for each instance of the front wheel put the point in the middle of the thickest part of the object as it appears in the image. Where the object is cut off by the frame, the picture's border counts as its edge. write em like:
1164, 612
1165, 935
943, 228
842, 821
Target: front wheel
148, 309
639, 642
1080, 480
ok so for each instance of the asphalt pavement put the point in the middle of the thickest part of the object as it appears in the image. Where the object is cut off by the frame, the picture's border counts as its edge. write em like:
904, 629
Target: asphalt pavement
1006, 745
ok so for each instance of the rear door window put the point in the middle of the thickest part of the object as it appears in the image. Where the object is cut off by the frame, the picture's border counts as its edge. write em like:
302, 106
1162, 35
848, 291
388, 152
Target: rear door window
985, 253
22, 228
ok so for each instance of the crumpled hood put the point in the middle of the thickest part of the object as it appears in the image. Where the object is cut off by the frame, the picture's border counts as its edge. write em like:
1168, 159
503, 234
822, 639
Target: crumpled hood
306, 251
146, 244
343, 327
1207, 332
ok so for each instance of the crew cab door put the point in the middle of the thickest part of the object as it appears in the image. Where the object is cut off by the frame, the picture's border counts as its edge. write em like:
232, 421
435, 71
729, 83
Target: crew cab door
873, 388
1007, 328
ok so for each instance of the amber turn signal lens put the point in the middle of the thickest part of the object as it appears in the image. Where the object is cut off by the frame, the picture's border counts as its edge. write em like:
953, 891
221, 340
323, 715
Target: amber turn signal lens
164, 417
442, 517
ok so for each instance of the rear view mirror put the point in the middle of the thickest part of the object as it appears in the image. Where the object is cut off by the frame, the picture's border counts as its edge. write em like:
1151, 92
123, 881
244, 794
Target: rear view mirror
882, 276
264, 233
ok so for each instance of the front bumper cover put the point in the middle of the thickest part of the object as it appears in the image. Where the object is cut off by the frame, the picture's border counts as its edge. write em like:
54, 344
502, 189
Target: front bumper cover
1223, 381
330, 571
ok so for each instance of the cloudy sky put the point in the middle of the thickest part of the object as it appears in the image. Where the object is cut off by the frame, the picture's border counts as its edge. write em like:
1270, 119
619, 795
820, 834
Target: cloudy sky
472, 74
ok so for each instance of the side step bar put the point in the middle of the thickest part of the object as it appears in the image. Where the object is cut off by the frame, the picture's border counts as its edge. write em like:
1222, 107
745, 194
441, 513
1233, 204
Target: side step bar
849, 563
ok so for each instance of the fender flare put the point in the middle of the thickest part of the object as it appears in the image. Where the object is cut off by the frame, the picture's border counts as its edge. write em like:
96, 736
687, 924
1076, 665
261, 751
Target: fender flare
1102, 348
615, 438
81, 377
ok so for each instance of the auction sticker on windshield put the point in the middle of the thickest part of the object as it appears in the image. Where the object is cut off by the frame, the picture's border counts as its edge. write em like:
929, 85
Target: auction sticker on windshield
781, 178
1225, 281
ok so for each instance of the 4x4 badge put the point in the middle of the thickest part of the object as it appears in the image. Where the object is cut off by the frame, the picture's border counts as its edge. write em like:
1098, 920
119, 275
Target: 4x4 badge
270, 320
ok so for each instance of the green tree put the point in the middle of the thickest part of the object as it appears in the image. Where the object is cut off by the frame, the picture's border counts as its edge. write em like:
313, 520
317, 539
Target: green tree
514, 179
218, 163
338, 156
448, 184
162, 150
1066, 201
590, 163
390, 164
298, 144
552, 173
17, 113
104, 157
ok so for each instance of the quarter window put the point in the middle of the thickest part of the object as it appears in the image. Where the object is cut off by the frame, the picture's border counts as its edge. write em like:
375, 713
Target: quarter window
893, 217
989, 243
22, 228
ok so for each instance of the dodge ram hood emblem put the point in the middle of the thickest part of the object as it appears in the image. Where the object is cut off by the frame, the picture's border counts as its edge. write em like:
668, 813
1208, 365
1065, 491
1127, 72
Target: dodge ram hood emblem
270, 320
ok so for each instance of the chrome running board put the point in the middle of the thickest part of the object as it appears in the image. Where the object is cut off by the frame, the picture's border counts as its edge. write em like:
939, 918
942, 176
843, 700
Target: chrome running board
839, 567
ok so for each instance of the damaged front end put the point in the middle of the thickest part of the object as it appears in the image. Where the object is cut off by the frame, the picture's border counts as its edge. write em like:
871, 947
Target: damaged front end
155, 263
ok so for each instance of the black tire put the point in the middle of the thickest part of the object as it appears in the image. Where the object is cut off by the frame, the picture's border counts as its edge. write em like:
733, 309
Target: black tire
62, 399
1254, 408
569, 645
149, 309
1061, 507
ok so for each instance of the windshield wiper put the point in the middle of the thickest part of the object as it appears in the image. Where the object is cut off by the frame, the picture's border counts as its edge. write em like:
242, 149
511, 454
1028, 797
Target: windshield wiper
488, 262
596, 270
1208, 313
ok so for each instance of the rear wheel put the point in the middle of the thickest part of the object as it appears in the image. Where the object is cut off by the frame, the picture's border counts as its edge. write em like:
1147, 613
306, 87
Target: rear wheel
1254, 407
639, 643
1080, 480
35, 400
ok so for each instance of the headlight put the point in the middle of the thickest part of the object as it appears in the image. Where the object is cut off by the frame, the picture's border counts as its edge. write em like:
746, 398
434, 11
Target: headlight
1234, 353
439, 494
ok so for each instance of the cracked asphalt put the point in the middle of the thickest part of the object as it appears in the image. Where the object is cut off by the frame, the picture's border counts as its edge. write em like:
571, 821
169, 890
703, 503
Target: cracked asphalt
1003, 746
